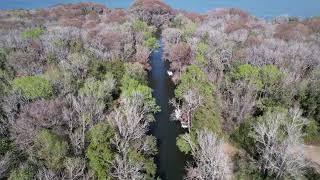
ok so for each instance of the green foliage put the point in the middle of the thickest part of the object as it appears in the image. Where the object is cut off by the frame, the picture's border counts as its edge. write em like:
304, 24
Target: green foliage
21, 173
4, 75
3, 83
139, 26
50, 148
33, 33
267, 81
248, 73
3, 58
182, 144
131, 87
151, 43
5, 145
311, 173
309, 96
194, 77
244, 169
33, 87
136, 71
98, 69
76, 46
151, 168
240, 136
134, 83
202, 49
206, 115
189, 29
266, 77
270, 75
100, 90
99, 151
149, 40
148, 164
312, 134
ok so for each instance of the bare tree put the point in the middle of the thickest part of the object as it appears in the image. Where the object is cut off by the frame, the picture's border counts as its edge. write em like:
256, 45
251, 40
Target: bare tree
191, 101
75, 168
5, 164
124, 168
211, 162
47, 174
86, 109
33, 117
279, 144
238, 102
77, 64
131, 122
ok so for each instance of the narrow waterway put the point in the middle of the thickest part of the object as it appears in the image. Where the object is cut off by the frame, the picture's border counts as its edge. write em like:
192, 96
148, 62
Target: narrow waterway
170, 161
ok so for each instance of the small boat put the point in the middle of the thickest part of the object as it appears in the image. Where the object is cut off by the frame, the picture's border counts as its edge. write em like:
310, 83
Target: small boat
170, 73
184, 125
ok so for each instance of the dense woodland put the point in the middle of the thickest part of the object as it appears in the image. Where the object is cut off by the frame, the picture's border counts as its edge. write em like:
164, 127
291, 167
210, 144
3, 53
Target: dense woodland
75, 101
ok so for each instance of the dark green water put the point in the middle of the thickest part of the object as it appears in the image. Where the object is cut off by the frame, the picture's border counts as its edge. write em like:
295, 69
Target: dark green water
170, 161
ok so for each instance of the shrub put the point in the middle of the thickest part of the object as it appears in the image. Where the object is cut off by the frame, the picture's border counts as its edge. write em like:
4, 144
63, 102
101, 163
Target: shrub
131, 87
151, 43
312, 135
98, 69
33, 33
33, 87
21, 173
292, 31
99, 150
137, 72
24, 63
182, 144
100, 91
206, 115
181, 52
194, 77
248, 73
201, 51
5, 145
50, 148
310, 96
139, 26
3, 58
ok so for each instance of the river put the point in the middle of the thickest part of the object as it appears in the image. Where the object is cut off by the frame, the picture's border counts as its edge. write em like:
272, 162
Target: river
170, 161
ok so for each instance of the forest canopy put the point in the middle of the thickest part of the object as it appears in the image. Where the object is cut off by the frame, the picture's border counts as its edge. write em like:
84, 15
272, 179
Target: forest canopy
75, 102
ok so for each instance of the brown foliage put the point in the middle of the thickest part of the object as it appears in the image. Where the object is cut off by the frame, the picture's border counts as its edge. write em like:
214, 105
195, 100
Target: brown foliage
313, 24
111, 40
75, 22
238, 12
237, 24
291, 31
180, 52
195, 17
153, 12
89, 24
253, 40
232, 12
93, 16
8, 24
142, 56
152, 5
116, 15
35, 116
24, 63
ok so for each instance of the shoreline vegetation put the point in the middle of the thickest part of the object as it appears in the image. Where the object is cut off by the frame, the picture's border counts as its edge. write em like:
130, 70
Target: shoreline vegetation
75, 101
